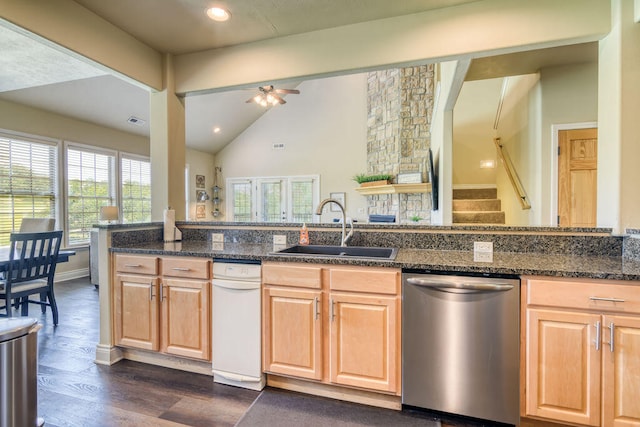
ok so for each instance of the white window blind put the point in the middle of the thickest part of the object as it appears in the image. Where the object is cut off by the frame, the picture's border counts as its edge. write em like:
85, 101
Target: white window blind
90, 185
28, 183
135, 178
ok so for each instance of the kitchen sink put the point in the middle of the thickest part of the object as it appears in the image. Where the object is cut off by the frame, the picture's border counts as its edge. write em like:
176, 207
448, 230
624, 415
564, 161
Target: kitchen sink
360, 252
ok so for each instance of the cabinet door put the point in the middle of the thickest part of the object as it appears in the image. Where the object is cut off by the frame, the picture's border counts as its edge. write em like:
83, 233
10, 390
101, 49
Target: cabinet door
364, 341
292, 332
563, 366
186, 321
621, 371
136, 311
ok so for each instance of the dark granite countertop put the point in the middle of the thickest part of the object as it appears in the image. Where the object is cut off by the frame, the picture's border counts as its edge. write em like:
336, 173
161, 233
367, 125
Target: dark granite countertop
596, 267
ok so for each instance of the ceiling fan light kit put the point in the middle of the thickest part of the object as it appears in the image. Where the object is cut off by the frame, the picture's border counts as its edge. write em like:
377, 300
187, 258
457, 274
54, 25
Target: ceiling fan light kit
269, 96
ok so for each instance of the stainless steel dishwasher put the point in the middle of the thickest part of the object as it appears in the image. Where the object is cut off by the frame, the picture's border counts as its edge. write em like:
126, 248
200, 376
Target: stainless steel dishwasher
460, 345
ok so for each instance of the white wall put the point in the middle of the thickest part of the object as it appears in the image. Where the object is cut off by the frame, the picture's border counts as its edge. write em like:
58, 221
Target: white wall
532, 106
199, 163
324, 130
569, 95
473, 133
519, 133
21, 118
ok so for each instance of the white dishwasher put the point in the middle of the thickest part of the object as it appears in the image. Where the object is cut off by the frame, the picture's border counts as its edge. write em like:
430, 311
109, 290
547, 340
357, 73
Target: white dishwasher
236, 317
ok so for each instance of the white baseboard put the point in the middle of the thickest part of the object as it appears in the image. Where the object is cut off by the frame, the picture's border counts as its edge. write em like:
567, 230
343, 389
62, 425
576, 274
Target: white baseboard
107, 355
72, 274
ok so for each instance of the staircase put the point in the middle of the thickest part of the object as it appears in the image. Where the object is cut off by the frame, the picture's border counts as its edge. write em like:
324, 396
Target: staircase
477, 206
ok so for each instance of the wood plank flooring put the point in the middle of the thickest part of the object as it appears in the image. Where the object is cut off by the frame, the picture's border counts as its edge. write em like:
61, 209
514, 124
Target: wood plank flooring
73, 391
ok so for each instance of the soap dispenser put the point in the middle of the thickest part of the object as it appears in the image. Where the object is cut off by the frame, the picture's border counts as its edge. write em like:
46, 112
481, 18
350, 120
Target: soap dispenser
304, 235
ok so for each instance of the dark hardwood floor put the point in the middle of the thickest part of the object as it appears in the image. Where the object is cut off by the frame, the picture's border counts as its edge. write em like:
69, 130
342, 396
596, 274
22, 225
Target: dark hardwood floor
74, 391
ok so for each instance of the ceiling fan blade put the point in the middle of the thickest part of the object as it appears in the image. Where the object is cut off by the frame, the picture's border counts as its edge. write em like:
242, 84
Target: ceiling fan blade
294, 91
279, 99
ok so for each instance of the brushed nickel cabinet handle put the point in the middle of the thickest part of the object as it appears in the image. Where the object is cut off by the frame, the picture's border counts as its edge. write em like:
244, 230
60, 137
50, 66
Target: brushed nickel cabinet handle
606, 299
150, 292
162, 292
333, 310
612, 335
317, 302
597, 341
133, 265
181, 269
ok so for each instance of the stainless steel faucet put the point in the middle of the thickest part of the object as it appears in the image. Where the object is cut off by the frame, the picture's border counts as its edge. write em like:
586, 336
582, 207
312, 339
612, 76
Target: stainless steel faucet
345, 238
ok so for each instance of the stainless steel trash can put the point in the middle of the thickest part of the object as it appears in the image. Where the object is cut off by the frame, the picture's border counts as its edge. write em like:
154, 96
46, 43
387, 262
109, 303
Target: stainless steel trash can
18, 372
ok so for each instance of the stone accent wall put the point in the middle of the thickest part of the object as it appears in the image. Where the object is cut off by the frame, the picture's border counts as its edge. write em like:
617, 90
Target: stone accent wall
400, 104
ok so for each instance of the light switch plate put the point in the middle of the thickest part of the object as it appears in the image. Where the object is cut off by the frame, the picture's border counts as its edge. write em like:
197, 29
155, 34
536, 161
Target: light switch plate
483, 247
279, 239
217, 237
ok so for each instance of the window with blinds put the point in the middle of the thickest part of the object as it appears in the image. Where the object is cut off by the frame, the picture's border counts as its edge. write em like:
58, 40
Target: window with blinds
135, 178
28, 183
90, 185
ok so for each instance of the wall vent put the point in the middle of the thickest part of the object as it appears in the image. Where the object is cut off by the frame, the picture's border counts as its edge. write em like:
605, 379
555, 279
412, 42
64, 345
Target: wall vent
136, 121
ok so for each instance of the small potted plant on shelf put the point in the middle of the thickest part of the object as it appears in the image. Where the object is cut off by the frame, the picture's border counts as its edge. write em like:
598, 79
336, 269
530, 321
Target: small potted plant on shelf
372, 180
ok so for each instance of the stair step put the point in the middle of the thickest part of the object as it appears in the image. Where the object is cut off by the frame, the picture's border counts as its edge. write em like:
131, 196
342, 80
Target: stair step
477, 205
478, 217
475, 193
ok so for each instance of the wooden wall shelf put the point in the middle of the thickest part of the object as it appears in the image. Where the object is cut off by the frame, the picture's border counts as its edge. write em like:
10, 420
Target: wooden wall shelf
395, 189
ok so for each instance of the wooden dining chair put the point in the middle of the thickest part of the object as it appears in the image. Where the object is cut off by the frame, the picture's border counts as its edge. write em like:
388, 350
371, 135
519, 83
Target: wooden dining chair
32, 265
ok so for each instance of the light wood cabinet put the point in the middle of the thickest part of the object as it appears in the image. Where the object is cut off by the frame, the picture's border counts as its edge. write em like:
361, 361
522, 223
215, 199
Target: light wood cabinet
293, 339
163, 304
136, 313
582, 351
364, 341
338, 325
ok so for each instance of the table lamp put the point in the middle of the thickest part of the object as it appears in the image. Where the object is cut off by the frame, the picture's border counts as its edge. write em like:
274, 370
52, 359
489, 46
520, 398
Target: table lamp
109, 213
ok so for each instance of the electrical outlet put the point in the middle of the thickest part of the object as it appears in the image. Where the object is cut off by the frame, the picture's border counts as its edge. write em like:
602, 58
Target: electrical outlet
479, 256
217, 237
483, 247
279, 239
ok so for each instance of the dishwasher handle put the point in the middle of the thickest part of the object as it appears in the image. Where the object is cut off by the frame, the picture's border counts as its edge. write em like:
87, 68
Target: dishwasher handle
459, 286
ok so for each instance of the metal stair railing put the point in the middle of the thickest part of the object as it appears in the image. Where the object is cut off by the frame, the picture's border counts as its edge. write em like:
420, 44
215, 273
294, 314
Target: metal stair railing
512, 174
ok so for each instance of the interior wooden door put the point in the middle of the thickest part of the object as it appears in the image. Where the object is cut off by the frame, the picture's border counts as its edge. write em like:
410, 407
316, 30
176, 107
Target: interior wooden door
621, 374
577, 177
563, 366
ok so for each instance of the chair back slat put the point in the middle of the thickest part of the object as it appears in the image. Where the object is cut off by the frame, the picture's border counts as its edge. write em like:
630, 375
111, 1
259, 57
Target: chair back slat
33, 255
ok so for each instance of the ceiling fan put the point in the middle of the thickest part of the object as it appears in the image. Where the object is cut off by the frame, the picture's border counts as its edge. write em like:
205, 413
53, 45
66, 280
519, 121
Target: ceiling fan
269, 96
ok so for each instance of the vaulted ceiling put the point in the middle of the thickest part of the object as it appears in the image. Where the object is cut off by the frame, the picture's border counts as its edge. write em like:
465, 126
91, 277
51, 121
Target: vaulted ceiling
35, 73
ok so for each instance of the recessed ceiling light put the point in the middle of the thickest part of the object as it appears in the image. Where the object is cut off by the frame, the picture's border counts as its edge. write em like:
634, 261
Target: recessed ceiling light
216, 130
218, 14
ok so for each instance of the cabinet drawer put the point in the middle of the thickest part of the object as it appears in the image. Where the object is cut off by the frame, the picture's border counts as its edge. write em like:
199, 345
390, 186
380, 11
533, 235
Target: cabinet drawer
292, 275
139, 264
372, 280
192, 268
584, 294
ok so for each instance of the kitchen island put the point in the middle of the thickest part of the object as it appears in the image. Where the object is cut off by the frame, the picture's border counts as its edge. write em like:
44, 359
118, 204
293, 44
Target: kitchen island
569, 259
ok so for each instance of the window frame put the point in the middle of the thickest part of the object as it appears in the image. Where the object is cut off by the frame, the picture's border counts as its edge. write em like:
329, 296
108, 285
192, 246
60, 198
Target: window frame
286, 200
120, 184
58, 163
114, 184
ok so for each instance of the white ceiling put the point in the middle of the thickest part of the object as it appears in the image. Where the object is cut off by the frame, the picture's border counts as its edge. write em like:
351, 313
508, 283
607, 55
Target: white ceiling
39, 75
